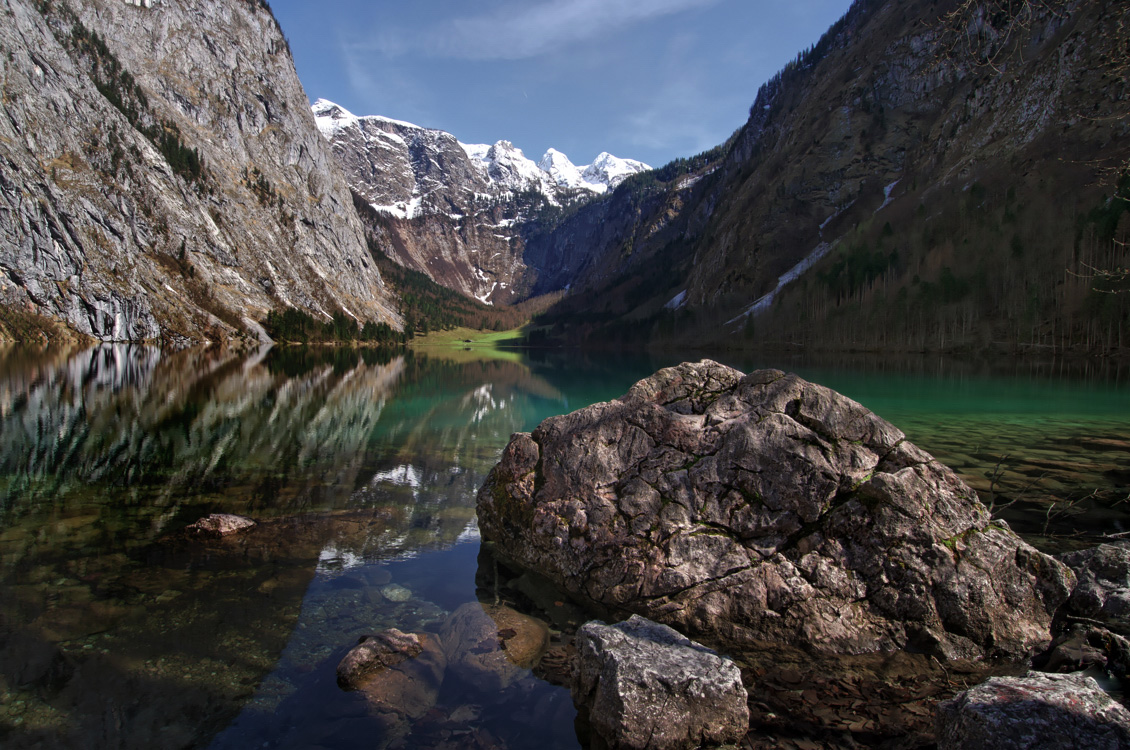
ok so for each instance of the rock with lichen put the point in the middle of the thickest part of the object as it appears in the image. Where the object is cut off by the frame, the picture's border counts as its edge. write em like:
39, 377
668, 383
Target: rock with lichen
751, 508
1035, 711
642, 685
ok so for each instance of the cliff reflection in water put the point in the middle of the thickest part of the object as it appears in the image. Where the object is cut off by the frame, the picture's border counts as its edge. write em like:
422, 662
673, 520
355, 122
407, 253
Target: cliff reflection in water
114, 630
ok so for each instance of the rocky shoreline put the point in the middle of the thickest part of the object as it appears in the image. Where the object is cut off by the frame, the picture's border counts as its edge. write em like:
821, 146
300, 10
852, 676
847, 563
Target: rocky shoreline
839, 629
783, 523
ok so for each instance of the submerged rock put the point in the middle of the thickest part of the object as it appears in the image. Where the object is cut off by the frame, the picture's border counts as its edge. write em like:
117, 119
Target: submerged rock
375, 653
396, 593
644, 685
491, 646
1036, 711
399, 674
218, 525
761, 507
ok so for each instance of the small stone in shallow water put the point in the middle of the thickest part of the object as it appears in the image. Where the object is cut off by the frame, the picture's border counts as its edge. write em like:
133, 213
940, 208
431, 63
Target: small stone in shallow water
491, 646
396, 593
375, 653
218, 525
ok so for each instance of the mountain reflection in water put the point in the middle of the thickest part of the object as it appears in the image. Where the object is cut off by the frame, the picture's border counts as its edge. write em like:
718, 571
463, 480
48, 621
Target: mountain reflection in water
361, 468
115, 630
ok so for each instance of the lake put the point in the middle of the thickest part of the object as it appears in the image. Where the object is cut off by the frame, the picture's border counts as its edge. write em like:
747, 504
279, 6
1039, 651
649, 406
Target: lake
361, 468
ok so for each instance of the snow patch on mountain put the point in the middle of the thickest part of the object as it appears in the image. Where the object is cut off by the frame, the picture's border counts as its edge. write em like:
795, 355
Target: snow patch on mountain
332, 119
563, 172
501, 165
610, 171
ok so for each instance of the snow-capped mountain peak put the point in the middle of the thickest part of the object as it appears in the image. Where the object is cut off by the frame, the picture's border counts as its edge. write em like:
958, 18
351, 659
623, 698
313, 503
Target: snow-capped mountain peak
408, 155
610, 171
563, 172
333, 118
509, 167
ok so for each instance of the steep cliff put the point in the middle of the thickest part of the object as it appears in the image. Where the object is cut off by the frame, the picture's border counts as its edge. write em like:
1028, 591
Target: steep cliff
162, 177
458, 212
927, 175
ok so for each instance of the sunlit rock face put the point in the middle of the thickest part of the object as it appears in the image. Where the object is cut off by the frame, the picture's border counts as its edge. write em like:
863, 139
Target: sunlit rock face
761, 507
163, 177
646, 687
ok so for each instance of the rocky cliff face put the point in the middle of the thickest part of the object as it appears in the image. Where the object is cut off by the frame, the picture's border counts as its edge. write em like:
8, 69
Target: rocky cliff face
922, 176
460, 213
163, 178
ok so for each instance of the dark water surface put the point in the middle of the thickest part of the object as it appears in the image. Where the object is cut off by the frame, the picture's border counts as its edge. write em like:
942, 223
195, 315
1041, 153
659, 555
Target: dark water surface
362, 468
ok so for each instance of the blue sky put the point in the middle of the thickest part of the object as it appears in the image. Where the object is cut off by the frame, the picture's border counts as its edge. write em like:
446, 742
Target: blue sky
642, 79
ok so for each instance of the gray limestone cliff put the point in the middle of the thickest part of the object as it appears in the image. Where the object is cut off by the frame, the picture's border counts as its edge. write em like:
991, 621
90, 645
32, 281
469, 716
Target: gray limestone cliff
162, 177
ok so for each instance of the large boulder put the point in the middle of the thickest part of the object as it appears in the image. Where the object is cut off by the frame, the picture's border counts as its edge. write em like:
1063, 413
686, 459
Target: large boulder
645, 686
1049, 711
744, 509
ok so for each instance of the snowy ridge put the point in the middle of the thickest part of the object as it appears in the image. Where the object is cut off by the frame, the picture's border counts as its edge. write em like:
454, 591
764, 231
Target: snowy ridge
506, 165
610, 171
562, 171
502, 165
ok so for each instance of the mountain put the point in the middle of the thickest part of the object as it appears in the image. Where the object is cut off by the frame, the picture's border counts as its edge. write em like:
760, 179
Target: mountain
163, 178
458, 212
929, 175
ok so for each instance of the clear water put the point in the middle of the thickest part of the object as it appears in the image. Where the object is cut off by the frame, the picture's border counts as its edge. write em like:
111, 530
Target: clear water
362, 468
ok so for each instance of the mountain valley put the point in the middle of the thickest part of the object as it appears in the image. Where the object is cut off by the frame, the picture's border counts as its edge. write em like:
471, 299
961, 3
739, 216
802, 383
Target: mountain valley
456, 212
928, 175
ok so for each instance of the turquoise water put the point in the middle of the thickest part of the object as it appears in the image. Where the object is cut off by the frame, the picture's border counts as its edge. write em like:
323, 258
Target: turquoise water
117, 631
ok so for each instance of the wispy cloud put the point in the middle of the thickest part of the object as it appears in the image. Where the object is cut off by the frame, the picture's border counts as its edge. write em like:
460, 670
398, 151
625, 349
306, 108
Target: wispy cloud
391, 88
682, 110
519, 32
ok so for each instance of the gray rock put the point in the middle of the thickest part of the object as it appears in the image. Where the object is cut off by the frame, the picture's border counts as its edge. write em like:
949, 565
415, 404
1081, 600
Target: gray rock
765, 508
218, 525
1072, 652
646, 686
1103, 592
102, 234
1032, 712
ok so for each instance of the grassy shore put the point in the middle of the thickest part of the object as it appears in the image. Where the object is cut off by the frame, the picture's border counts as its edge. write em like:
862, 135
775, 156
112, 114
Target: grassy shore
468, 344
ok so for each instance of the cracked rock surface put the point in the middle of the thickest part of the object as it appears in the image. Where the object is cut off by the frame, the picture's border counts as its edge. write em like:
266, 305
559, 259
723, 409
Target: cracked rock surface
645, 686
749, 508
1103, 592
